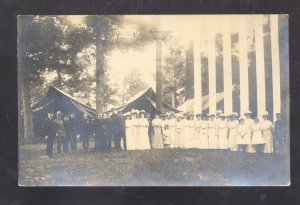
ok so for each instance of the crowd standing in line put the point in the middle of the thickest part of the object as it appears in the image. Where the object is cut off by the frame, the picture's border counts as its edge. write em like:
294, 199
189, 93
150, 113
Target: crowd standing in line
135, 130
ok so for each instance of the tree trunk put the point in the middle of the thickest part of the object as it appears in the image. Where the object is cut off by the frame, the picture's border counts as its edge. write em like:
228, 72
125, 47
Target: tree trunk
159, 74
173, 90
99, 75
28, 128
24, 87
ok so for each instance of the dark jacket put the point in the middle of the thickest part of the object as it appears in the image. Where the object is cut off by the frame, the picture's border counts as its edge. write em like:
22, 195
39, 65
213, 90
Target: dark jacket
67, 127
113, 124
279, 130
74, 126
86, 127
100, 127
49, 127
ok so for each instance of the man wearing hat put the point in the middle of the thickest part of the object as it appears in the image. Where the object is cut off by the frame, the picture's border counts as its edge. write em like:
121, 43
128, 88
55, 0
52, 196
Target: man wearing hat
99, 133
280, 135
74, 132
59, 130
116, 128
86, 131
121, 131
49, 133
267, 131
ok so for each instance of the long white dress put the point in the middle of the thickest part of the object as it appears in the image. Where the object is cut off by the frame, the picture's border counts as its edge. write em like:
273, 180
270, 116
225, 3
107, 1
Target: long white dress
249, 122
233, 134
178, 134
267, 127
198, 134
157, 139
244, 134
143, 137
212, 133
257, 137
204, 139
191, 137
135, 132
186, 141
183, 127
172, 131
129, 135
223, 134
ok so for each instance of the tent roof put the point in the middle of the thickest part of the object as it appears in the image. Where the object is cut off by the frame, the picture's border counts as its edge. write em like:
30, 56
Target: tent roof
145, 98
56, 97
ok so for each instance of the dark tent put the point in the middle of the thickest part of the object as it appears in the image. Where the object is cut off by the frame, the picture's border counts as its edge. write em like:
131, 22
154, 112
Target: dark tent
145, 100
57, 100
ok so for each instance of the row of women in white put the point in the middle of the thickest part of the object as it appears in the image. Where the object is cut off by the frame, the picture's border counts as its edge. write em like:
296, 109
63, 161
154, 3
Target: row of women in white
215, 132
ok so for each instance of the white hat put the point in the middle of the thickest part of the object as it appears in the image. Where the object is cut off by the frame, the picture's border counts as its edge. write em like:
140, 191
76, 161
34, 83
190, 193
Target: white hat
234, 114
178, 115
219, 112
265, 113
247, 112
126, 114
211, 114
142, 111
134, 111
241, 118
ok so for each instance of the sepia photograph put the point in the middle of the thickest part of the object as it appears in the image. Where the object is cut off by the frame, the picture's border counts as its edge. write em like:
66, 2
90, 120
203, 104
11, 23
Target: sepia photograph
153, 100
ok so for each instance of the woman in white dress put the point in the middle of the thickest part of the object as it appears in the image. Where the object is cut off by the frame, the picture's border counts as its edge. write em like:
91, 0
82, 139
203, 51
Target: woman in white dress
185, 143
223, 132
143, 141
134, 129
233, 125
243, 139
198, 140
267, 131
179, 130
249, 122
213, 142
157, 138
257, 138
172, 128
191, 142
203, 133
128, 131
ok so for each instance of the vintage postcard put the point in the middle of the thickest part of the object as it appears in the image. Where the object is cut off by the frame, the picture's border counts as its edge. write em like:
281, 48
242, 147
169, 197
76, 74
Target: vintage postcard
153, 100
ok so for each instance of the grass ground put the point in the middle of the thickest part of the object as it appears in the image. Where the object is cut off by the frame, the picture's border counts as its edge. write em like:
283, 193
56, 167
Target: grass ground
167, 167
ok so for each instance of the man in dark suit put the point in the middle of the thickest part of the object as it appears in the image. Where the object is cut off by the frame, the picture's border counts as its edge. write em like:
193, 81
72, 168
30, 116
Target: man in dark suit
121, 130
49, 133
100, 129
73, 122
59, 130
85, 132
280, 135
114, 129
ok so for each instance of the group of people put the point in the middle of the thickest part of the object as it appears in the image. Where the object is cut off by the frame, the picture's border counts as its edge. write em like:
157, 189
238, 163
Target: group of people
135, 130
67, 130
212, 131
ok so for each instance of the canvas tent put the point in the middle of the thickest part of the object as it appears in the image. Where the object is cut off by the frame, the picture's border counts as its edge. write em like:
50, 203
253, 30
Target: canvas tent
188, 105
56, 100
145, 100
